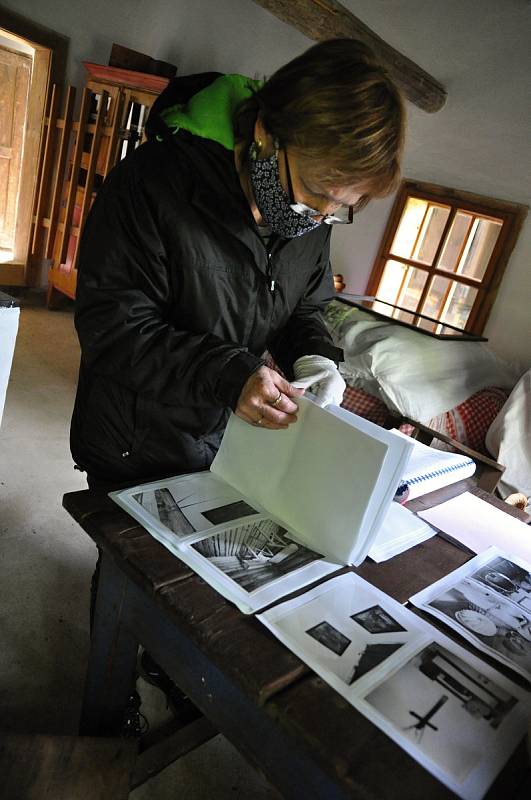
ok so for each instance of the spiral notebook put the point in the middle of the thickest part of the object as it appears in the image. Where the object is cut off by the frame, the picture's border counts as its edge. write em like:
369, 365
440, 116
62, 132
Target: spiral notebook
429, 469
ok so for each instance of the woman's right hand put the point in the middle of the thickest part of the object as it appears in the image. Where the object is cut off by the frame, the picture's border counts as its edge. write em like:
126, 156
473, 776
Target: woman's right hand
267, 400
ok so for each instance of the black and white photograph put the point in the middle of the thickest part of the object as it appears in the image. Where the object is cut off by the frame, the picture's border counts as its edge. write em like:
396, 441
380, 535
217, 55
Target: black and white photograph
447, 709
330, 637
483, 602
186, 505
254, 555
508, 579
488, 619
377, 620
322, 629
363, 656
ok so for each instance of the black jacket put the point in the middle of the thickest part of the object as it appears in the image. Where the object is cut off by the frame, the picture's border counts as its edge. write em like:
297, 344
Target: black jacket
177, 301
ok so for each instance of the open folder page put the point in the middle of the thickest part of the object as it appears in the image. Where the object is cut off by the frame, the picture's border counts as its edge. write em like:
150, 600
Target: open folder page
329, 478
278, 509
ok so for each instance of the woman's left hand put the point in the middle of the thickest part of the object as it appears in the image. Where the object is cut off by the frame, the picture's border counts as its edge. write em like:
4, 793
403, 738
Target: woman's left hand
266, 400
322, 377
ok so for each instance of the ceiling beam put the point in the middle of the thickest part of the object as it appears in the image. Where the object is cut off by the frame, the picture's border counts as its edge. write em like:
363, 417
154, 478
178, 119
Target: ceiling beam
329, 19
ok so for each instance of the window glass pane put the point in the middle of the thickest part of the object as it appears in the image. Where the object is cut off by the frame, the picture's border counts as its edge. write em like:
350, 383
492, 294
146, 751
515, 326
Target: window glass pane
481, 240
449, 301
455, 241
412, 289
431, 233
433, 303
402, 285
420, 229
407, 231
459, 304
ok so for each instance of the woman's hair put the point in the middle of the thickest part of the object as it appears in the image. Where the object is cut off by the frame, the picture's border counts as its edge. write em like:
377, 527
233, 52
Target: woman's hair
337, 107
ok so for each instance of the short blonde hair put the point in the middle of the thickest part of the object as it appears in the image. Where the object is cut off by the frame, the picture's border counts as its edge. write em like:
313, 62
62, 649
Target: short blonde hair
336, 106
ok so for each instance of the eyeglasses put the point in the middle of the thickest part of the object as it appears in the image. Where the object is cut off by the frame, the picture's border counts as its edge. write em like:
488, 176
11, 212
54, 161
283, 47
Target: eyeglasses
343, 216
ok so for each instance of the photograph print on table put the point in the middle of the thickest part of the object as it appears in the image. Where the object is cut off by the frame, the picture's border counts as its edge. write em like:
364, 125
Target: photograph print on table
183, 506
343, 629
255, 554
483, 602
454, 714
376, 620
330, 637
508, 579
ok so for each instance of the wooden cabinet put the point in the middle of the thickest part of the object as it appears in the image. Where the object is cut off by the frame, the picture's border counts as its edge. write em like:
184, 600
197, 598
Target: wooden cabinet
114, 107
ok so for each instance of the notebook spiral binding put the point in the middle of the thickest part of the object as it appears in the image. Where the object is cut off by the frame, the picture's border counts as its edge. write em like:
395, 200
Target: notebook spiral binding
403, 487
437, 472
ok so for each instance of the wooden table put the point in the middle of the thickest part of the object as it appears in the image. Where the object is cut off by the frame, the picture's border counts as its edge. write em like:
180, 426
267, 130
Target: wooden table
286, 721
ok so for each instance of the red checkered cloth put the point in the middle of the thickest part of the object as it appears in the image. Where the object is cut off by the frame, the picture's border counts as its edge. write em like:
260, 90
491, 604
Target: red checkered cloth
365, 405
469, 422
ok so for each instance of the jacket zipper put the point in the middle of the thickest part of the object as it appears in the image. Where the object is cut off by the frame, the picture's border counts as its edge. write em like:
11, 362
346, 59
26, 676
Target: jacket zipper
269, 274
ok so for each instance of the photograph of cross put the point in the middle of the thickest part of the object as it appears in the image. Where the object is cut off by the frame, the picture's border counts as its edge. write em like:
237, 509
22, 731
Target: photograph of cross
424, 721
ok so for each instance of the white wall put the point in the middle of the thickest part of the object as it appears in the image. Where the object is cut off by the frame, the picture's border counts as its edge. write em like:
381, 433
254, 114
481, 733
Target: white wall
479, 141
479, 50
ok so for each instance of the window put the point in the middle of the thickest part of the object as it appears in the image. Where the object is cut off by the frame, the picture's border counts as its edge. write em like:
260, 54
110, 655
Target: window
444, 253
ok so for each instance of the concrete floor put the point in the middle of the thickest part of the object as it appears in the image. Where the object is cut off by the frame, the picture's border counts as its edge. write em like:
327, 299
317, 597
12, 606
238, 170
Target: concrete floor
46, 564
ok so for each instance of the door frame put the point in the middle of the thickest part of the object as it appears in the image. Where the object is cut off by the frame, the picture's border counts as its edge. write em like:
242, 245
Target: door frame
49, 67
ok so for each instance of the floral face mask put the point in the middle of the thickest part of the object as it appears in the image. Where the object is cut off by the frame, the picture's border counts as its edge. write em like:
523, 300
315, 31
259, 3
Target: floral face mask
271, 199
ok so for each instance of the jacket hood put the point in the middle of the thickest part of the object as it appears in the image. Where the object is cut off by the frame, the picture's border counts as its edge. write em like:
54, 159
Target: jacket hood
203, 105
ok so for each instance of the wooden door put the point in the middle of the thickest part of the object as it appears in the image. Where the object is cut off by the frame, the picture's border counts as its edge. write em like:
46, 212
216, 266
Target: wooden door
15, 73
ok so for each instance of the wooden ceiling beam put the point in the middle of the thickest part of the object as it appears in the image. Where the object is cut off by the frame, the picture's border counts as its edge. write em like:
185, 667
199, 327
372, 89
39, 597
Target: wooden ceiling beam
329, 19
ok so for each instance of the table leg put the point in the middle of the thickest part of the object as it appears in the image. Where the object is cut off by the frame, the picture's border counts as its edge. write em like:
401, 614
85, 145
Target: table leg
112, 660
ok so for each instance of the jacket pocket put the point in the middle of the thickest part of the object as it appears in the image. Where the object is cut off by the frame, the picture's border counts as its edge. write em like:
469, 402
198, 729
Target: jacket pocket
109, 418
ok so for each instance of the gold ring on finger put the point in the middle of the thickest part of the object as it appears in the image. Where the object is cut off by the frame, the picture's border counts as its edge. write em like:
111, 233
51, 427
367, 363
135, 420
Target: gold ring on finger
277, 401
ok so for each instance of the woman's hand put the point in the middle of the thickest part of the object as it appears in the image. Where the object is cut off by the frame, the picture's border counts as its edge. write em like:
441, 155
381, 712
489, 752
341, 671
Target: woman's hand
266, 400
322, 377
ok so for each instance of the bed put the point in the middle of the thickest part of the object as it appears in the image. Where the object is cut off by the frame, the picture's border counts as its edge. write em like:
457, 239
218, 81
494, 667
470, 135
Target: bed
455, 388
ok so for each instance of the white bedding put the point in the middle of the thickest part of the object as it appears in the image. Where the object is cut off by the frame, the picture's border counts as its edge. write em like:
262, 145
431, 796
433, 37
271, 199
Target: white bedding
417, 375
509, 439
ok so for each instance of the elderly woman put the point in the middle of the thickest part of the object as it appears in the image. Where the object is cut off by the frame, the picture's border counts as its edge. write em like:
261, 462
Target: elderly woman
209, 246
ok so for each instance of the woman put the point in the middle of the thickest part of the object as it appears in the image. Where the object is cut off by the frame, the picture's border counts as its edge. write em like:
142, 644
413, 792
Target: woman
210, 245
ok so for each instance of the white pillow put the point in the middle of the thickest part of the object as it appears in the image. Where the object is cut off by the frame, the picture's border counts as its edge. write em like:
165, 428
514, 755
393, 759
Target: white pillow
509, 439
417, 375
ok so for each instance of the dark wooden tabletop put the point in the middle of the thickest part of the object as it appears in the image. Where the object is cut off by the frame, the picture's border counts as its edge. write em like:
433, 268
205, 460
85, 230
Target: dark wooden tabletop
360, 758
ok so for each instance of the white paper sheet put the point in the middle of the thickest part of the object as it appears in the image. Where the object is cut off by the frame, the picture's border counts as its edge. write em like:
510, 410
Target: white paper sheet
248, 557
328, 481
9, 318
478, 525
403, 675
400, 530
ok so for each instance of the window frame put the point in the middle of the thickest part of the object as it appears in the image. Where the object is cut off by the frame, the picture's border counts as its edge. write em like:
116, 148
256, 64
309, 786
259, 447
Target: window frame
512, 216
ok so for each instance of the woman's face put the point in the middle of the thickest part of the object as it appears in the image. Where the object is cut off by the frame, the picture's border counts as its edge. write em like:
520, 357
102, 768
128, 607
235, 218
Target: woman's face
301, 180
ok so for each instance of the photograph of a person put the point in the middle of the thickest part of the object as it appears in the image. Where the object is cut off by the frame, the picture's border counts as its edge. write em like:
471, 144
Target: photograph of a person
444, 706
377, 620
254, 555
489, 620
